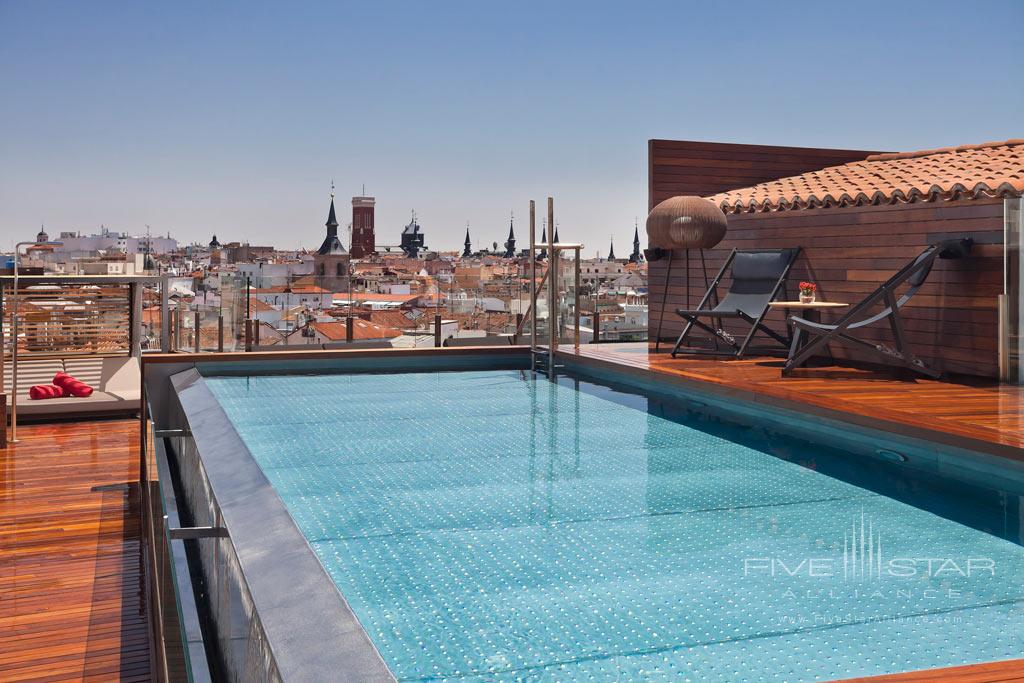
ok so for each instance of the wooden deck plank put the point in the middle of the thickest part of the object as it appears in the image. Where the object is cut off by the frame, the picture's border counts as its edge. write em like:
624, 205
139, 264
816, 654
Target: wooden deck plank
993, 672
968, 410
71, 606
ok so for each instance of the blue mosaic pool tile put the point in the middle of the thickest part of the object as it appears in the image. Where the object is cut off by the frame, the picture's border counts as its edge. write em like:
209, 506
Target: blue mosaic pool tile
486, 526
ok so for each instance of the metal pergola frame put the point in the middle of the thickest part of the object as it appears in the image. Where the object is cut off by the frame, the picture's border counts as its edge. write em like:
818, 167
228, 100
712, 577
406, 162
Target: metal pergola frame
15, 280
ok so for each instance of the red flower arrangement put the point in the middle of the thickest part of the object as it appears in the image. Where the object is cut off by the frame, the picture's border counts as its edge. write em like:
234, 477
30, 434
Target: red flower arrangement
808, 288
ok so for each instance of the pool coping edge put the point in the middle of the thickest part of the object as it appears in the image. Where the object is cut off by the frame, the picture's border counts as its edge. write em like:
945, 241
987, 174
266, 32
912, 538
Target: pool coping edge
308, 625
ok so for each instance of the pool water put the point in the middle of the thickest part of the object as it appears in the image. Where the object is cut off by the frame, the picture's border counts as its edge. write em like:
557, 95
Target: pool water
491, 526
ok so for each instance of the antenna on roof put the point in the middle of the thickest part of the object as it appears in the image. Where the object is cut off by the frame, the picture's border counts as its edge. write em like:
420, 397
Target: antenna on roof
332, 188
364, 189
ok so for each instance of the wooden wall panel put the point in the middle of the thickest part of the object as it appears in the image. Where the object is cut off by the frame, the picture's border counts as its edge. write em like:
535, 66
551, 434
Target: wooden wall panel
952, 321
679, 167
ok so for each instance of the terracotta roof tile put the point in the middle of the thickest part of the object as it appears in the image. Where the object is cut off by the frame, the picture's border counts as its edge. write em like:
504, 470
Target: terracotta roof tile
991, 169
398, 320
293, 289
259, 306
361, 329
362, 297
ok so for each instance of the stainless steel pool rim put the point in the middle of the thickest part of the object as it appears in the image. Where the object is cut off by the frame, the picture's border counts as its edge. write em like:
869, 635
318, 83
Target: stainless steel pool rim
307, 629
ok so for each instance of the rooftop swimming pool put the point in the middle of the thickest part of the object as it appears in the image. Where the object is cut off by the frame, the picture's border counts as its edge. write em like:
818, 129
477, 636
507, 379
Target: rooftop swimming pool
489, 525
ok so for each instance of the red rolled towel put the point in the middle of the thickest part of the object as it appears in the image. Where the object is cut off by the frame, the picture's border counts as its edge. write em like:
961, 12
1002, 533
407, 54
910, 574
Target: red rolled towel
43, 391
72, 386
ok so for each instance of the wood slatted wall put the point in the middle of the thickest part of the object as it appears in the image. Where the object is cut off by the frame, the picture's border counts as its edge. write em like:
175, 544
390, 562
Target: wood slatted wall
848, 252
953, 320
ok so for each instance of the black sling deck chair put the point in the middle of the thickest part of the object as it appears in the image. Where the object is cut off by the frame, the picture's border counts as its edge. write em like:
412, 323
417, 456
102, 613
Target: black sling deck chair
914, 275
757, 277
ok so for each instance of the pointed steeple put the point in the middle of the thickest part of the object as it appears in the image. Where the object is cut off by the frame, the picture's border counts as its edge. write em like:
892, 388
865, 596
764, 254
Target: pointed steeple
332, 220
556, 233
331, 244
611, 250
543, 240
510, 243
635, 256
467, 245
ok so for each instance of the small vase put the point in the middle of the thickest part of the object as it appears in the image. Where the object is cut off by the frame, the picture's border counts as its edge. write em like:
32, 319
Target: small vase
807, 298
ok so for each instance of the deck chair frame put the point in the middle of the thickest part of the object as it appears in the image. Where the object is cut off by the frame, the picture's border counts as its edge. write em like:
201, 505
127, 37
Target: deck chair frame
901, 355
693, 317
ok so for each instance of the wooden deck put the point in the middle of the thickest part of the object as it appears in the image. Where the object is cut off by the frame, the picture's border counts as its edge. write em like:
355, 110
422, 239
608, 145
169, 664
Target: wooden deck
70, 563
993, 672
70, 559
964, 412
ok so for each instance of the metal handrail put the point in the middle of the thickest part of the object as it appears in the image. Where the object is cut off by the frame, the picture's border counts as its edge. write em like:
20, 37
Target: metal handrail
554, 251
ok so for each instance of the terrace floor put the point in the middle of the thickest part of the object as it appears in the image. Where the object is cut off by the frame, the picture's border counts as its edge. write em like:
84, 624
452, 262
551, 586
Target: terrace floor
70, 557
963, 411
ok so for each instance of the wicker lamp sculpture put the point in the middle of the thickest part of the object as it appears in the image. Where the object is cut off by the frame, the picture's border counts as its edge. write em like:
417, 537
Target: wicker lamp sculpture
683, 223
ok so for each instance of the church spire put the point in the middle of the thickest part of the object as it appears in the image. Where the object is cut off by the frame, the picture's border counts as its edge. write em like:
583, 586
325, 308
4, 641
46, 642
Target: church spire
510, 243
332, 221
543, 240
331, 244
611, 250
635, 256
467, 245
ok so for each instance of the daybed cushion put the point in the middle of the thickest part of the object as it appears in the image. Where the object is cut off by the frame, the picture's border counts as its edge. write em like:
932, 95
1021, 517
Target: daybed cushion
36, 371
98, 402
115, 379
117, 376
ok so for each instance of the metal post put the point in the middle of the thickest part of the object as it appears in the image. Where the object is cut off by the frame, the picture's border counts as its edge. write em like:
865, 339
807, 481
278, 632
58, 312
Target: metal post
597, 324
14, 353
3, 427
14, 349
515, 332
165, 317
552, 290
195, 328
256, 332
664, 300
437, 330
349, 329
576, 304
533, 286
220, 333
177, 328
1003, 348
248, 334
135, 319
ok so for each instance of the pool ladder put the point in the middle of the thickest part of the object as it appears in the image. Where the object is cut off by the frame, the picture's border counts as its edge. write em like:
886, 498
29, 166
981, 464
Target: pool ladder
541, 361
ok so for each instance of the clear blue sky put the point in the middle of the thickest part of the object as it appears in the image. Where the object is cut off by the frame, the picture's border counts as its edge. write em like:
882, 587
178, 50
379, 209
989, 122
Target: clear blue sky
232, 118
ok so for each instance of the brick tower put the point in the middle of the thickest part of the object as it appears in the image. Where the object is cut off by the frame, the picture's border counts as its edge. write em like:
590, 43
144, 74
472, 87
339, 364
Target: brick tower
363, 240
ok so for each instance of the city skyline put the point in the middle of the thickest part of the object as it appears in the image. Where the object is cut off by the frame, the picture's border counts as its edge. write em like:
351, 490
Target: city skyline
233, 119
